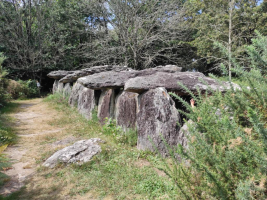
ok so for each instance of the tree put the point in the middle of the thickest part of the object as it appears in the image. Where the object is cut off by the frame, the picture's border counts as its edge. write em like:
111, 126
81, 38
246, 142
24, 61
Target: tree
144, 34
231, 23
40, 36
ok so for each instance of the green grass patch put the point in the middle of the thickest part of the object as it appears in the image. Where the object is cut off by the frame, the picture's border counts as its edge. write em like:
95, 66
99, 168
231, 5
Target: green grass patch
7, 137
120, 170
7, 133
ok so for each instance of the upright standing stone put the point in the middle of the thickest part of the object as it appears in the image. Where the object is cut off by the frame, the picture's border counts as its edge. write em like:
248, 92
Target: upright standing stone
86, 102
66, 90
106, 105
74, 95
126, 110
55, 86
60, 87
157, 121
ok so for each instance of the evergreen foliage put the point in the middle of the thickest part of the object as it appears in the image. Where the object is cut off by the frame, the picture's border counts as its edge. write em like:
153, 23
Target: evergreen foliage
4, 96
226, 158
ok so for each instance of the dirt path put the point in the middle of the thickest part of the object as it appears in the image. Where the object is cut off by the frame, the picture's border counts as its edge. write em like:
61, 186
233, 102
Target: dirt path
33, 126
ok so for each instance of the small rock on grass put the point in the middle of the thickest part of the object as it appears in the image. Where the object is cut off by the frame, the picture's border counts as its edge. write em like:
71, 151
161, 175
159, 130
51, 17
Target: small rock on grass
79, 153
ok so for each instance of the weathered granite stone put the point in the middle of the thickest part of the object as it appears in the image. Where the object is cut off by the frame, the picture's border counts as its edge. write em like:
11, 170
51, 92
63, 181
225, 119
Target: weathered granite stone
106, 80
60, 87
74, 95
93, 70
113, 79
192, 80
106, 105
59, 74
80, 152
157, 121
86, 102
166, 68
55, 86
126, 110
184, 133
66, 90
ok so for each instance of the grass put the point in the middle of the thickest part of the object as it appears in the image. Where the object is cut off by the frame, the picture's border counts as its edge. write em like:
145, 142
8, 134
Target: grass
7, 137
120, 171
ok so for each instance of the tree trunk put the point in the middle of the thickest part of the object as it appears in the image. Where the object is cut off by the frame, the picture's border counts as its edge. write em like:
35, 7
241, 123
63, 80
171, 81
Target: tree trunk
231, 7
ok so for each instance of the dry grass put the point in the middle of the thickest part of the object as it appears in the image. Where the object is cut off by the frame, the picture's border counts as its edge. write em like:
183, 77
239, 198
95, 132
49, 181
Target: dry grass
119, 172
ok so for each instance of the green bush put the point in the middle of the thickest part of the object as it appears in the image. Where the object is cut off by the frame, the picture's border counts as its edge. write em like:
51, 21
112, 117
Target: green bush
122, 137
227, 154
4, 95
29, 89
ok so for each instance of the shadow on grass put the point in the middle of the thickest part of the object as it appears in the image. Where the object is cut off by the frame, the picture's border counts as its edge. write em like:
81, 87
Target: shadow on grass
10, 107
37, 193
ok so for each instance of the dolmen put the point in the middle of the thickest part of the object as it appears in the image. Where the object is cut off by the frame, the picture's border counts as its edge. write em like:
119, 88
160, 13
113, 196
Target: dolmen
135, 99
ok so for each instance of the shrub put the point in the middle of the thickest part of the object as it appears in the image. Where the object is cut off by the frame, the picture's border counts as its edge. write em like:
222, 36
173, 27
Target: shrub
29, 88
122, 137
226, 158
4, 96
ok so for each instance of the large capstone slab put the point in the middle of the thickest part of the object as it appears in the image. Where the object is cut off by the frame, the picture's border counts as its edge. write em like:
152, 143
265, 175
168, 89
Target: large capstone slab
75, 93
173, 81
59, 74
86, 102
92, 70
126, 107
114, 80
80, 152
106, 105
157, 121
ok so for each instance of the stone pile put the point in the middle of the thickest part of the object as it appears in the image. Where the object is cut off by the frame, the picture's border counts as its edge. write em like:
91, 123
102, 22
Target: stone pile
135, 99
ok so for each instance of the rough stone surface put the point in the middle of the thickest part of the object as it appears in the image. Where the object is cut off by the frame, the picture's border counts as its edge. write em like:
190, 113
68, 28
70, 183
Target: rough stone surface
74, 95
55, 86
106, 80
86, 102
183, 133
166, 68
106, 105
80, 152
115, 79
192, 80
93, 70
59, 74
60, 87
157, 121
66, 90
126, 110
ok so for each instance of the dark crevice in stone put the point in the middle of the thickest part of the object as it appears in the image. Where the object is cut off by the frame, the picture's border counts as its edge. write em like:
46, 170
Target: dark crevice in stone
97, 94
180, 106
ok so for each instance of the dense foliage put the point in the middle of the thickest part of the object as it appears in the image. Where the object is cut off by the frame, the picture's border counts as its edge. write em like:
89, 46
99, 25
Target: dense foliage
4, 95
226, 158
40, 36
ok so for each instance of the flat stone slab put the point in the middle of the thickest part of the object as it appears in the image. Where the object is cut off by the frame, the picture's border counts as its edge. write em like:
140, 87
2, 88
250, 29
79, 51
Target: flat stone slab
192, 80
86, 102
157, 121
59, 74
126, 106
93, 70
80, 152
75, 93
106, 105
113, 79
